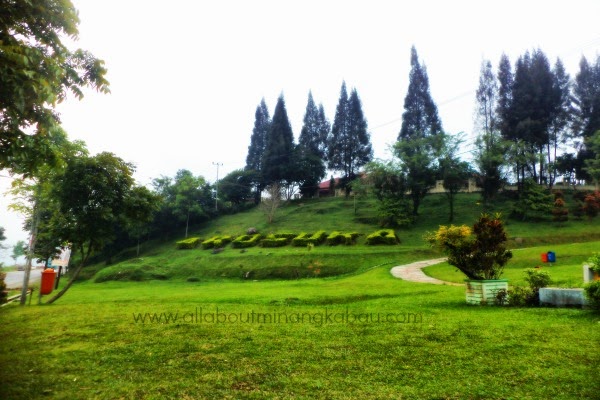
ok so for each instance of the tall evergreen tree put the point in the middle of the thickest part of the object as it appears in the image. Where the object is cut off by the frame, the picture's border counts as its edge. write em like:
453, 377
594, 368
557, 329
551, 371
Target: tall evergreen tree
587, 116
278, 159
489, 153
256, 149
420, 115
505, 80
349, 144
311, 148
418, 143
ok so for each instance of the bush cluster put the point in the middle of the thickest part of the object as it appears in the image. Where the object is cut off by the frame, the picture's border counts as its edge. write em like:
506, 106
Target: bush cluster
273, 240
592, 292
3, 293
383, 236
244, 241
188, 244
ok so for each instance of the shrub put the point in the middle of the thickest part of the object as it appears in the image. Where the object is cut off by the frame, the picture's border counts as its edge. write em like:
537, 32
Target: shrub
336, 238
216, 242
245, 241
591, 206
383, 236
536, 279
592, 292
305, 239
479, 253
187, 244
560, 213
3, 293
520, 296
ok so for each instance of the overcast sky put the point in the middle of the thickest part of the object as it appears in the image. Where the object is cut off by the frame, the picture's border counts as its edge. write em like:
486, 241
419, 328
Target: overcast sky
186, 76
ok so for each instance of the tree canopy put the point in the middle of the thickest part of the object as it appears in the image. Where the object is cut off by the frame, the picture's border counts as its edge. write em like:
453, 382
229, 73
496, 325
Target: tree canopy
38, 71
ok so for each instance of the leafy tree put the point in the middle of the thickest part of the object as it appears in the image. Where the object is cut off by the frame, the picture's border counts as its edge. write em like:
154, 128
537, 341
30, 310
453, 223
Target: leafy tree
504, 104
534, 202
140, 206
271, 204
236, 187
418, 145
37, 71
186, 199
92, 197
388, 183
349, 144
311, 148
256, 150
454, 172
19, 250
490, 149
278, 159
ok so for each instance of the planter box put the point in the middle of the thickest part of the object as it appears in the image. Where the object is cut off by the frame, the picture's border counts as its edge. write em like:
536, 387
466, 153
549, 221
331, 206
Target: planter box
484, 292
560, 297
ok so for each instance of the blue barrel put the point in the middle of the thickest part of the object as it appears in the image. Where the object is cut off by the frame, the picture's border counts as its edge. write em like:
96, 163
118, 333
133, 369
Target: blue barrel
551, 256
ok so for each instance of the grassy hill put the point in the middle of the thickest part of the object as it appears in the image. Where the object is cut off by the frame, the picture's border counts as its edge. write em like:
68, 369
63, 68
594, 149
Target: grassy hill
160, 260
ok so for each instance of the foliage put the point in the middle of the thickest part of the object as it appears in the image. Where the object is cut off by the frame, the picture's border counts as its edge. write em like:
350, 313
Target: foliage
236, 187
245, 241
273, 241
594, 262
591, 206
19, 250
454, 172
271, 204
349, 143
388, 183
519, 296
592, 164
479, 253
37, 71
256, 149
560, 213
534, 202
3, 292
278, 159
592, 292
187, 244
537, 279
383, 236
311, 149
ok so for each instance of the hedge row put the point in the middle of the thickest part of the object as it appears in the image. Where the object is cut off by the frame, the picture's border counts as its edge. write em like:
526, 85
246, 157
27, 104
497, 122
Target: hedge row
216, 242
305, 239
244, 241
336, 238
188, 244
383, 236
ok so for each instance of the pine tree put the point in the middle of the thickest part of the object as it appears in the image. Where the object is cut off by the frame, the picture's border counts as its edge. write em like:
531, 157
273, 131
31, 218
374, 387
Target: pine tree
418, 143
311, 148
420, 115
349, 144
503, 107
256, 149
278, 159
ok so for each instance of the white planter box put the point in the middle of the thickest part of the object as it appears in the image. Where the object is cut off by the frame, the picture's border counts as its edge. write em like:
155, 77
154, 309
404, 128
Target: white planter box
484, 292
560, 297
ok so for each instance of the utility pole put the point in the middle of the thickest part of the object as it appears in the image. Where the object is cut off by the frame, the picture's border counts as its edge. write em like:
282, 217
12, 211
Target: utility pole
217, 186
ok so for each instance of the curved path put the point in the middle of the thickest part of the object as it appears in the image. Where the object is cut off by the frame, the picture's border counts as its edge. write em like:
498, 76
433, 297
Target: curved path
413, 272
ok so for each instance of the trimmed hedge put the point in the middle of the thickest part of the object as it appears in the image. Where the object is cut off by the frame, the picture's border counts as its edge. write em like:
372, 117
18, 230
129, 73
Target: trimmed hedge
216, 242
187, 244
245, 241
383, 236
274, 241
336, 238
305, 239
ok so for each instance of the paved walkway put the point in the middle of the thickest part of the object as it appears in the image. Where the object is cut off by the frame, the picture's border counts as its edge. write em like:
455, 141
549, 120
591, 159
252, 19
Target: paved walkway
414, 272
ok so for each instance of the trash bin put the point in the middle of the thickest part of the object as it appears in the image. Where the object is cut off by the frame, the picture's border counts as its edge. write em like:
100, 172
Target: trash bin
551, 256
48, 276
544, 257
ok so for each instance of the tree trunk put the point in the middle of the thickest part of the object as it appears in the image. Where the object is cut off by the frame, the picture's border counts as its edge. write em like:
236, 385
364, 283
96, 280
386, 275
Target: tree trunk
75, 275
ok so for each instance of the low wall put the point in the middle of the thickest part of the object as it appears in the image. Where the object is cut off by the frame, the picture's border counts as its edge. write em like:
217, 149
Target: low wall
562, 297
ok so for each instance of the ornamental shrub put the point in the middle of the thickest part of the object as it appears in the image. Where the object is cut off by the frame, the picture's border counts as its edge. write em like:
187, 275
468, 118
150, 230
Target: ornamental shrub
216, 242
383, 236
594, 262
274, 241
187, 244
3, 293
537, 279
305, 239
479, 253
592, 292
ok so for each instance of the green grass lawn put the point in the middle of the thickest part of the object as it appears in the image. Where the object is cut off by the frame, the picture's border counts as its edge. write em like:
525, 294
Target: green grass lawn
237, 332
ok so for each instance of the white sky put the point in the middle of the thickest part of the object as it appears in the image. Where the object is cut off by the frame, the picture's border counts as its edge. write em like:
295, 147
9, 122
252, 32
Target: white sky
186, 76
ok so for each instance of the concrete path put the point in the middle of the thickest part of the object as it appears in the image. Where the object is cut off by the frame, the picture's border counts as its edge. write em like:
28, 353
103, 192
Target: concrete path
413, 272
14, 279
